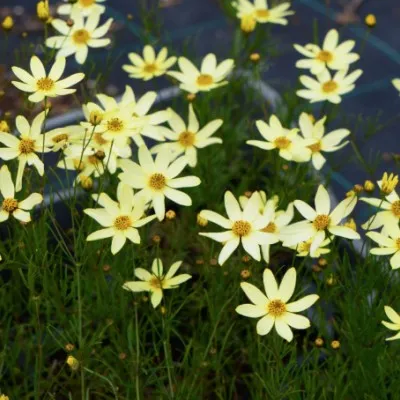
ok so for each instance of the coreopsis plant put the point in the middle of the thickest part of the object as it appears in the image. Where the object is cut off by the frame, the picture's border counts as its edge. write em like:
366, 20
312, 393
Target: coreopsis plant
187, 138
327, 87
389, 216
261, 13
210, 76
128, 118
273, 307
26, 147
389, 244
43, 85
242, 226
303, 249
149, 66
322, 142
78, 38
394, 325
10, 206
119, 219
321, 222
61, 138
158, 179
331, 55
290, 145
156, 281
83, 7
277, 219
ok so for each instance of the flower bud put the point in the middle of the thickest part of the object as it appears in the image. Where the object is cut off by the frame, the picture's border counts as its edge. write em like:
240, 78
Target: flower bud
8, 23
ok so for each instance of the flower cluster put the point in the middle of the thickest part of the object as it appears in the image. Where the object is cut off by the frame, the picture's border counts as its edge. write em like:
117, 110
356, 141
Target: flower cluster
319, 60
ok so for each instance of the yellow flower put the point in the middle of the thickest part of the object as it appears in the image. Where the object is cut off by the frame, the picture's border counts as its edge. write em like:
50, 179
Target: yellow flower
119, 219
158, 179
322, 142
72, 362
394, 325
10, 205
389, 244
255, 57
262, 13
369, 186
4, 127
389, 215
325, 87
290, 145
389, 183
83, 7
4, 397
42, 85
210, 75
243, 226
274, 307
151, 65
248, 23
26, 146
320, 221
370, 20
8, 23
42, 10
77, 39
331, 55
156, 281
187, 138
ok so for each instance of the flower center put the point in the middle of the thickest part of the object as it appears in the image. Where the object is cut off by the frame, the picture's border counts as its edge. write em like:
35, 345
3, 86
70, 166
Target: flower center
321, 222
262, 13
26, 146
396, 208
316, 147
282, 142
115, 125
122, 222
276, 308
241, 228
150, 68
81, 36
86, 3
157, 181
59, 138
398, 243
186, 139
325, 56
270, 228
304, 246
9, 205
94, 160
329, 86
45, 84
155, 283
204, 80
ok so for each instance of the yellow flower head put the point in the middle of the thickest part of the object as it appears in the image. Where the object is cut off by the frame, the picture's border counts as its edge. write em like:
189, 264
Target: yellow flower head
370, 20
248, 23
389, 183
369, 186
42, 10
8, 23
4, 127
255, 57
335, 344
72, 362
4, 397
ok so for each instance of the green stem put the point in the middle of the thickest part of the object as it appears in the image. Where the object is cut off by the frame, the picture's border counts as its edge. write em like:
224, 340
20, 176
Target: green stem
166, 348
80, 337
